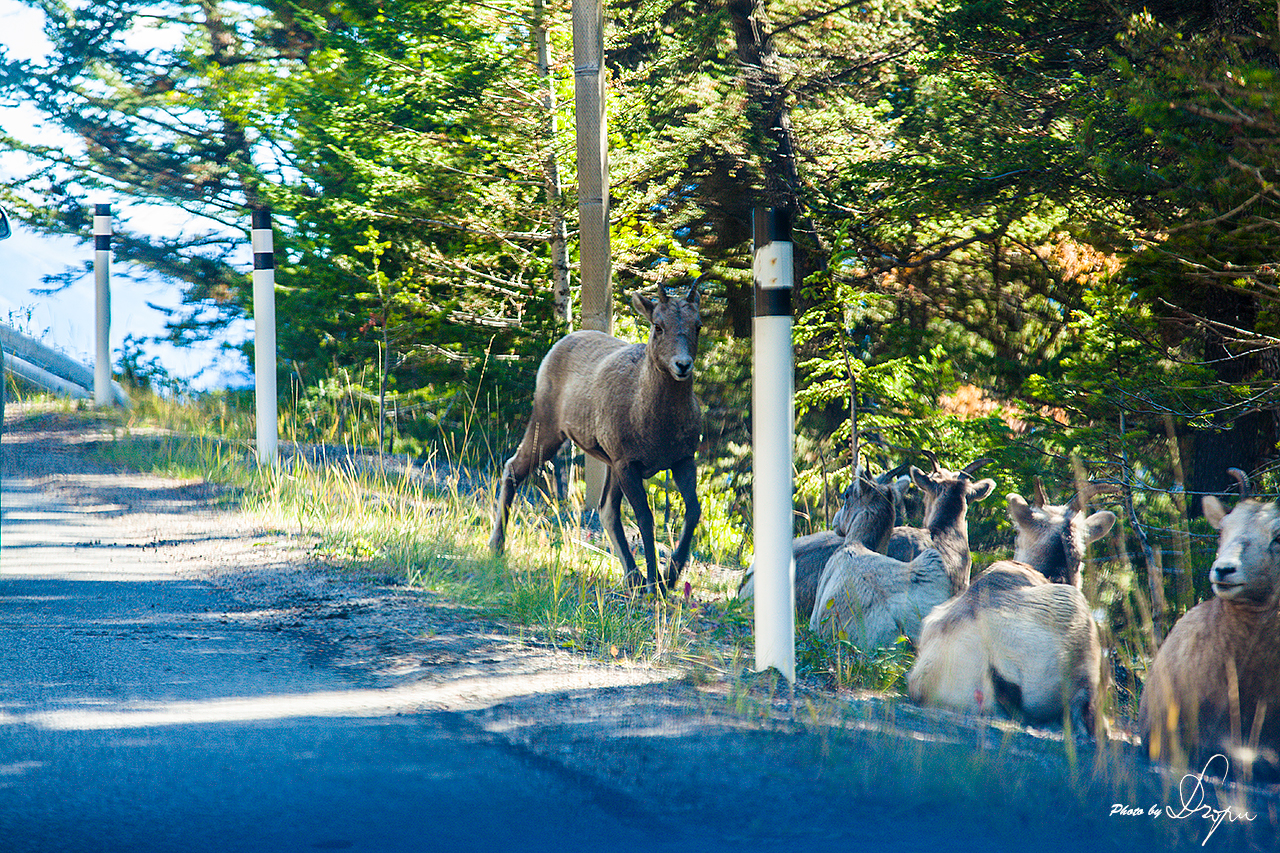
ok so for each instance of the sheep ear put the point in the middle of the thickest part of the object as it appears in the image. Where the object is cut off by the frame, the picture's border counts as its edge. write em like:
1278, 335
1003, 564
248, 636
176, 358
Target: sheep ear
1214, 511
900, 485
644, 307
1097, 525
922, 481
1019, 509
979, 490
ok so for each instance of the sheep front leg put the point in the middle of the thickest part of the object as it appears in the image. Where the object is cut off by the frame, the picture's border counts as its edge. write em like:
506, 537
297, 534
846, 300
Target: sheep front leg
611, 521
685, 475
632, 485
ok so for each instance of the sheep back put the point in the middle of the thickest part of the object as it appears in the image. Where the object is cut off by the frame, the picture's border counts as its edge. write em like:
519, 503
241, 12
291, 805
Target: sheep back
811, 553
1013, 641
872, 599
907, 543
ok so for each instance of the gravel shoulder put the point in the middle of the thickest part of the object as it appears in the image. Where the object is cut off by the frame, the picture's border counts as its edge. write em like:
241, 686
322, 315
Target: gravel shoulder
743, 761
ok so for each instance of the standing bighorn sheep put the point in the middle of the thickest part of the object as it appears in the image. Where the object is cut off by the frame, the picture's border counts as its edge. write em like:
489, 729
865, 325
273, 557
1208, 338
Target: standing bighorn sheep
1214, 686
1015, 641
872, 598
866, 514
632, 407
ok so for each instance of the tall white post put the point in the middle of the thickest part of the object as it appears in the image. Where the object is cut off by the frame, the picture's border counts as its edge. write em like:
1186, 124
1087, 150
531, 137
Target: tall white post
264, 336
771, 443
102, 395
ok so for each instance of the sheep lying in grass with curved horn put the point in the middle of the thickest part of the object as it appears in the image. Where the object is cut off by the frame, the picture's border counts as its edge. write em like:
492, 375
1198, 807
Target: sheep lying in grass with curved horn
632, 407
1214, 686
1015, 641
866, 515
872, 599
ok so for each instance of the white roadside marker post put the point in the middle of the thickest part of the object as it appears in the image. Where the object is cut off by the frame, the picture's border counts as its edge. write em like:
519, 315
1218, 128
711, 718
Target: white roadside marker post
102, 393
771, 427
264, 336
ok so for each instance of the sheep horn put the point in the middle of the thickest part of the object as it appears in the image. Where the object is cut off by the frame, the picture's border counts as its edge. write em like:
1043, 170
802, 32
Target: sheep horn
1242, 479
891, 475
972, 467
1090, 490
1041, 498
932, 457
662, 293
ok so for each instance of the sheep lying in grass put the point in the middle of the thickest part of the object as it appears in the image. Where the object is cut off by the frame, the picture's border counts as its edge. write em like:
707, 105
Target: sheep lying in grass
1214, 686
1014, 641
907, 542
866, 514
1053, 537
872, 599
632, 407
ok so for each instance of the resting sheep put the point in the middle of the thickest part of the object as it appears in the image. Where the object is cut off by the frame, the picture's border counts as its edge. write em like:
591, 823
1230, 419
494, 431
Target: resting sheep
1015, 641
872, 599
1053, 537
906, 542
1214, 686
632, 407
866, 514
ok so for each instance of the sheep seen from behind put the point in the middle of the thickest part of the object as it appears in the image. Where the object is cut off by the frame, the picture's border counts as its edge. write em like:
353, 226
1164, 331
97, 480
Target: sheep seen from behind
872, 599
1053, 537
940, 528
631, 406
1214, 686
1015, 641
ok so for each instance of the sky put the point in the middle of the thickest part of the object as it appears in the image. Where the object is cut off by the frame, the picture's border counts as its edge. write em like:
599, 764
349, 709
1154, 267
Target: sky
65, 320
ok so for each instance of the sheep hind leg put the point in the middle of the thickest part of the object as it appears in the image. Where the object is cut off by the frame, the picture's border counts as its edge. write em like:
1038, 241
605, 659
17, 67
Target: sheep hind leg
611, 521
1084, 716
534, 449
685, 475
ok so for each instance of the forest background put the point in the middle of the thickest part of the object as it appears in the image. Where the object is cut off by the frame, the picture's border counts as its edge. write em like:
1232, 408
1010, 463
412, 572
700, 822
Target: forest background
1038, 232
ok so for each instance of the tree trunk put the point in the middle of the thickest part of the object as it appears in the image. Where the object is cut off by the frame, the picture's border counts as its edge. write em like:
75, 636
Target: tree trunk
551, 173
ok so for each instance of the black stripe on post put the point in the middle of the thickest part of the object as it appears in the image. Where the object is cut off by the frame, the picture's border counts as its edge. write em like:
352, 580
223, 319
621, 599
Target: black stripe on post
260, 218
773, 302
771, 225
101, 239
779, 225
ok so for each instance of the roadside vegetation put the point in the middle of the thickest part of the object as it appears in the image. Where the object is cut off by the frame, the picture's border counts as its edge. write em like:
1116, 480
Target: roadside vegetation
424, 520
